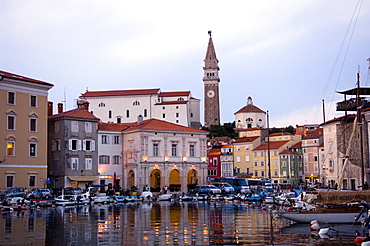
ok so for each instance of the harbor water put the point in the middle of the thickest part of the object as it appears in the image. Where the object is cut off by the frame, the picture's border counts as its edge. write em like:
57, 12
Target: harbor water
162, 223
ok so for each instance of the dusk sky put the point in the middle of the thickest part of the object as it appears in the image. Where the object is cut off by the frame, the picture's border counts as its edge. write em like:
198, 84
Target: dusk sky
287, 55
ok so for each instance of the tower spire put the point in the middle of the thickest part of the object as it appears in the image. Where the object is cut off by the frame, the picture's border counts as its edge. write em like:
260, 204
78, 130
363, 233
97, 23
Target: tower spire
211, 88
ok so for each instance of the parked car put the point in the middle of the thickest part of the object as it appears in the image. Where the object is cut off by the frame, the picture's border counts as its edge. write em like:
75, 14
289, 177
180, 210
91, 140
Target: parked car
206, 189
72, 190
224, 187
12, 192
40, 193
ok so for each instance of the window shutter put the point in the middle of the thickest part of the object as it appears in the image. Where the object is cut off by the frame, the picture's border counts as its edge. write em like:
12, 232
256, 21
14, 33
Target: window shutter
58, 144
92, 145
108, 138
78, 144
53, 146
84, 145
70, 144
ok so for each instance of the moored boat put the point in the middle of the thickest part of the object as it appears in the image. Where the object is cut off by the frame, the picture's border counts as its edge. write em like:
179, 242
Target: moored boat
336, 214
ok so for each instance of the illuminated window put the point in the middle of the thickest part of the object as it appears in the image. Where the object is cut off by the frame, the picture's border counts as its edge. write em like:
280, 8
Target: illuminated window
10, 151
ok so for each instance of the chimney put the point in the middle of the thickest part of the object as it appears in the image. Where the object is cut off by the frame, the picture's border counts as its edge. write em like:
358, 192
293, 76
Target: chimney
86, 105
60, 108
50, 108
139, 119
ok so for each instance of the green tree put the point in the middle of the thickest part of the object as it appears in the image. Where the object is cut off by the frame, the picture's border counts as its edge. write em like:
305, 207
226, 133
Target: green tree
226, 130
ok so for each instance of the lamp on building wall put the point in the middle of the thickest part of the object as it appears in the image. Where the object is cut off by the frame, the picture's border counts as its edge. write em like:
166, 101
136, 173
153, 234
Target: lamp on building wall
145, 158
166, 158
203, 159
184, 159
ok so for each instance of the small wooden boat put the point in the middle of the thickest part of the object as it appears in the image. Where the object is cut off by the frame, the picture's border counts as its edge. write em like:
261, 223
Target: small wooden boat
336, 214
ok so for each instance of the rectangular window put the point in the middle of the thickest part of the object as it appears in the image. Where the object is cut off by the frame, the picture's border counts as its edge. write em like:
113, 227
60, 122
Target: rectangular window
117, 159
11, 98
315, 158
192, 150
116, 139
177, 114
32, 181
11, 122
88, 127
56, 126
56, 164
254, 154
105, 139
9, 181
256, 173
174, 149
262, 173
276, 173
284, 163
155, 149
74, 165
238, 158
275, 153
261, 153
215, 162
55, 145
163, 116
262, 164
10, 150
74, 144
88, 164
33, 101
247, 158
32, 149
275, 162
74, 126
103, 159
89, 145
256, 163
33, 124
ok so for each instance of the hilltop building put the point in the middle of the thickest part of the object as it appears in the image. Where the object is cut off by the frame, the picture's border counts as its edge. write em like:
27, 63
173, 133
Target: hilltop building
250, 116
124, 106
23, 131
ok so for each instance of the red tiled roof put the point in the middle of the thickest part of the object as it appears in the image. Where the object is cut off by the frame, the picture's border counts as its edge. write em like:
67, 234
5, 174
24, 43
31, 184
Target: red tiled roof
227, 146
120, 93
250, 109
287, 152
115, 127
155, 124
75, 113
175, 94
273, 145
214, 151
20, 77
172, 102
245, 139
348, 118
297, 145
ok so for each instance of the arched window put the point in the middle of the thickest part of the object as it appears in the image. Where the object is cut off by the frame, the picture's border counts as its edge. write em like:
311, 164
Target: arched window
101, 104
110, 114
136, 103
145, 113
180, 99
128, 113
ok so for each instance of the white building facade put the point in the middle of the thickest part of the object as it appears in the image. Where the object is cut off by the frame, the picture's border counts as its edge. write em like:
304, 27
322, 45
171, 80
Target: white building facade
122, 106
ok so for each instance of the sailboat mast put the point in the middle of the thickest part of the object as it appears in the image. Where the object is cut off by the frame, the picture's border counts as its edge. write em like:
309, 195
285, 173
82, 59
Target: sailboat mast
359, 121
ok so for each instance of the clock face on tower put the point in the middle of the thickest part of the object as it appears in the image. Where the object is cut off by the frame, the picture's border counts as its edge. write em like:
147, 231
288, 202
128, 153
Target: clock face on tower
210, 93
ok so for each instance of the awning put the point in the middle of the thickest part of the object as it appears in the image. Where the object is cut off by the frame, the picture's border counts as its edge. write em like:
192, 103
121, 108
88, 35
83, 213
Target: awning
83, 178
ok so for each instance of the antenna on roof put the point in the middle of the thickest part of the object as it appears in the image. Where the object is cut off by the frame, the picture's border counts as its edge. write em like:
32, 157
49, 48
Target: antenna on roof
65, 102
210, 33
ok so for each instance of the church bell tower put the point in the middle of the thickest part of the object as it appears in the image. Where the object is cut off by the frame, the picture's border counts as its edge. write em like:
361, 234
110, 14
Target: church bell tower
211, 88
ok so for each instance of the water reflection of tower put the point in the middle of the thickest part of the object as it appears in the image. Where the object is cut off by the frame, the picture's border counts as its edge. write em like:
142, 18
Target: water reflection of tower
222, 225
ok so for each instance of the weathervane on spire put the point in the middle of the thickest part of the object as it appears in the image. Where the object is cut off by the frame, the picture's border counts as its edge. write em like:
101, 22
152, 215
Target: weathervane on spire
210, 33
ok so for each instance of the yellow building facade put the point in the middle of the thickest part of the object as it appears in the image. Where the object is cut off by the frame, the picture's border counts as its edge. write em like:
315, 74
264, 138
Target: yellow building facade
23, 134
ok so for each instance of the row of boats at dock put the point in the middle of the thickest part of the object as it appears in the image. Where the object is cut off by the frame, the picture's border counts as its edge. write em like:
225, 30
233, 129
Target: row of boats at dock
296, 205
